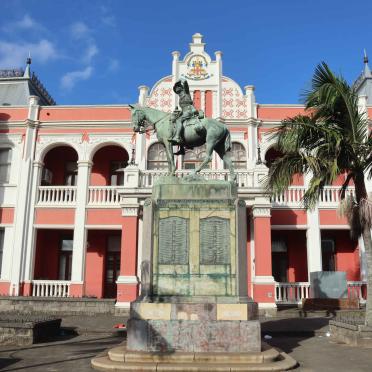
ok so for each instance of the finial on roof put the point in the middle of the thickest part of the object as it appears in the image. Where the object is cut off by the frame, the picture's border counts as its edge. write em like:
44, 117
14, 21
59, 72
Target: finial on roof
28, 63
366, 71
197, 38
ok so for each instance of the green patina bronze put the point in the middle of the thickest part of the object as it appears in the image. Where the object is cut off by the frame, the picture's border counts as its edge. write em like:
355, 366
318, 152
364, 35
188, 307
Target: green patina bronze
196, 132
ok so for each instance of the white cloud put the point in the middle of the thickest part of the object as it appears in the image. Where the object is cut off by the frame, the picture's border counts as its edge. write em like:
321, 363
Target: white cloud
14, 54
69, 80
89, 53
107, 18
113, 65
79, 30
26, 23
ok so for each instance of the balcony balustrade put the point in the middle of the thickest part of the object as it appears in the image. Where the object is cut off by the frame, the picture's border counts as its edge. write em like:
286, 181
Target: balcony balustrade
294, 293
103, 196
50, 288
247, 180
57, 196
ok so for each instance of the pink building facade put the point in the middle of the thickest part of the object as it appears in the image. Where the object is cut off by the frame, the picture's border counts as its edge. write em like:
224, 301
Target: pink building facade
73, 180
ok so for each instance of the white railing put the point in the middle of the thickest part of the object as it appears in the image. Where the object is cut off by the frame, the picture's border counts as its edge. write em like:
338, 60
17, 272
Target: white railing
292, 196
291, 293
103, 195
50, 288
57, 195
330, 195
294, 293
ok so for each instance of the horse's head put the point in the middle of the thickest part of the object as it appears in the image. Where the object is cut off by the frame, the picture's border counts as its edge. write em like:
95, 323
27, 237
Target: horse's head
138, 118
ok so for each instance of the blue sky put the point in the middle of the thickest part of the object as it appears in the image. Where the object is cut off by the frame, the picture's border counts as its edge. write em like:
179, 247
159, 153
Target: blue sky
100, 51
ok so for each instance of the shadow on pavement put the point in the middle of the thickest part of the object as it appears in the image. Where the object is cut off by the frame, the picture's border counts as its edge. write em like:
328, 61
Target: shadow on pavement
286, 334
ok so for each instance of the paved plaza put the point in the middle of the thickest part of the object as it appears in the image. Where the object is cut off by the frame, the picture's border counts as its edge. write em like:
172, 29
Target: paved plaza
303, 339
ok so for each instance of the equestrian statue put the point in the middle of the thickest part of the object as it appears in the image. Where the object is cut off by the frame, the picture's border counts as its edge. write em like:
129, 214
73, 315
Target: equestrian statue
187, 128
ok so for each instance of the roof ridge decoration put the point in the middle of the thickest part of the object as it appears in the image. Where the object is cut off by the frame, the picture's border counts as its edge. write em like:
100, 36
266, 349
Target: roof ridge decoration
40, 87
197, 60
11, 73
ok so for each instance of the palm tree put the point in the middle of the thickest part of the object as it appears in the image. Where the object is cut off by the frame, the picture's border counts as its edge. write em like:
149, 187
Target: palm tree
331, 139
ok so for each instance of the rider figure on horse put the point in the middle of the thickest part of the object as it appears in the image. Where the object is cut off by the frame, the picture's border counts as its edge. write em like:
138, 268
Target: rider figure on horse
181, 88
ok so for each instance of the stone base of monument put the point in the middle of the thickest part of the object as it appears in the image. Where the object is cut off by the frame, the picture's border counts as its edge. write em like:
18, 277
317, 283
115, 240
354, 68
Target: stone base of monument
194, 327
121, 359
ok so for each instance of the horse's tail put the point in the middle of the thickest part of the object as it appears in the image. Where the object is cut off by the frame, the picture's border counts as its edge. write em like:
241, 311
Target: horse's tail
227, 141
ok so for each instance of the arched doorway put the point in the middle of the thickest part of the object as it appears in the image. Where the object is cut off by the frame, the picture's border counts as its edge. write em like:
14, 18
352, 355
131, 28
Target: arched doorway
108, 164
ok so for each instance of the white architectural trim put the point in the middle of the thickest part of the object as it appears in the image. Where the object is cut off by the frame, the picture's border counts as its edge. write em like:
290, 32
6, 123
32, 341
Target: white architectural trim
258, 211
130, 210
130, 279
263, 279
334, 227
57, 227
103, 227
289, 227
122, 305
100, 140
46, 142
267, 305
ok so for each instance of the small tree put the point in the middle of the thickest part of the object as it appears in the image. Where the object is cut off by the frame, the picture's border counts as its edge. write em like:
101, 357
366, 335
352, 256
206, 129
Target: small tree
332, 138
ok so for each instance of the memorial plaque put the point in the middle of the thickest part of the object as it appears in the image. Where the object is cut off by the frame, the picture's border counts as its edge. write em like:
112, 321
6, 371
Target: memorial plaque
214, 241
173, 241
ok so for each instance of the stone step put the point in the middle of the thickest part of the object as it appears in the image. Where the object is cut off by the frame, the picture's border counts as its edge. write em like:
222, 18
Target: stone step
120, 354
103, 363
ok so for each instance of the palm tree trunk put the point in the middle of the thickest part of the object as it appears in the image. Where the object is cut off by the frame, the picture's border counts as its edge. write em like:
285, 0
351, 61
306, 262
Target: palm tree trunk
361, 193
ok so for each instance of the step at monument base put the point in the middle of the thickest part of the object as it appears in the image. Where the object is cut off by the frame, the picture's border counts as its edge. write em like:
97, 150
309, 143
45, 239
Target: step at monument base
121, 359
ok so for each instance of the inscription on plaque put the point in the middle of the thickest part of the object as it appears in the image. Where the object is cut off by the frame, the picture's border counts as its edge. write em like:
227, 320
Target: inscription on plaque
174, 241
214, 241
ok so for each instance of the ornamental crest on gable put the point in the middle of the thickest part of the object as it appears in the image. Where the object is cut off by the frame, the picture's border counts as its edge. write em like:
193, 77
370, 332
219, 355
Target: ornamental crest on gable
197, 68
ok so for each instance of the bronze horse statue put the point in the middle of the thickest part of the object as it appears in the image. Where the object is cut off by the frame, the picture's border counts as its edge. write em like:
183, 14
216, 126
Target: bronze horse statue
196, 133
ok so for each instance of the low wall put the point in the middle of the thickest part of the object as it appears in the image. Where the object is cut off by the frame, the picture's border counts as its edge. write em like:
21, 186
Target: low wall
57, 306
351, 334
17, 331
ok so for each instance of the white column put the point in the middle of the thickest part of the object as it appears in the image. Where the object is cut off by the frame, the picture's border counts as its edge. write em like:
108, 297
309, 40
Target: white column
140, 148
22, 218
80, 238
250, 101
5, 269
217, 106
313, 238
175, 75
252, 143
143, 93
202, 100
31, 241
362, 260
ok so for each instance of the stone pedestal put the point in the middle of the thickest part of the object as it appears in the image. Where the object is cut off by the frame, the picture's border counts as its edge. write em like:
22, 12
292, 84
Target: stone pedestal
194, 272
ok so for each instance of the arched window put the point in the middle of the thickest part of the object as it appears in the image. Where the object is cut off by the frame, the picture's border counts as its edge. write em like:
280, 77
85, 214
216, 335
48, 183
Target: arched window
194, 157
157, 157
238, 156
